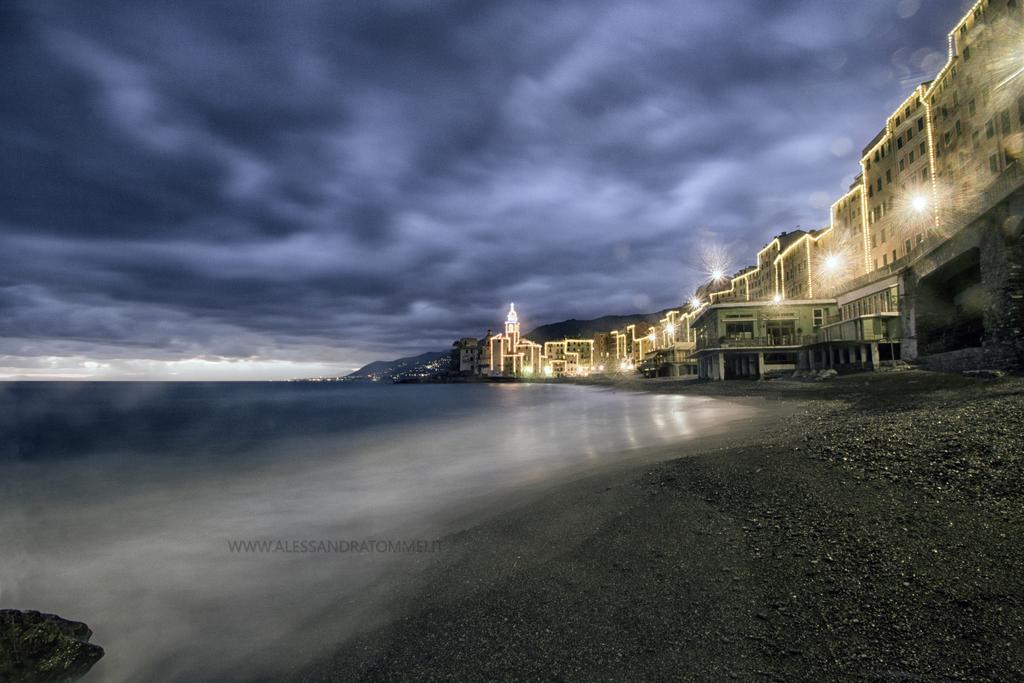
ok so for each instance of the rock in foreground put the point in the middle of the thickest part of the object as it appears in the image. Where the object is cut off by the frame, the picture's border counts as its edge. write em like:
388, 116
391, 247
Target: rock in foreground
38, 648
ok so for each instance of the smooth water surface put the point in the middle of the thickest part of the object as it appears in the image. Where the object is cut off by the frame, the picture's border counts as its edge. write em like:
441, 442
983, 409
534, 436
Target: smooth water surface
119, 500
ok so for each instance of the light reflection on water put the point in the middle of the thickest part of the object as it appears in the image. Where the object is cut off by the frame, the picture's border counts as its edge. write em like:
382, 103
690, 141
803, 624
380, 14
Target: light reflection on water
125, 523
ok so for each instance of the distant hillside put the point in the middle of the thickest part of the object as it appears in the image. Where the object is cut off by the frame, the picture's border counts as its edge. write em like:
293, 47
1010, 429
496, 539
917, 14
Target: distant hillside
425, 363
585, 329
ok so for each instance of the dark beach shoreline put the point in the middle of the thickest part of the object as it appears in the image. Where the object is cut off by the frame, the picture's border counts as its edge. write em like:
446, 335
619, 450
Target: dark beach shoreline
875, 532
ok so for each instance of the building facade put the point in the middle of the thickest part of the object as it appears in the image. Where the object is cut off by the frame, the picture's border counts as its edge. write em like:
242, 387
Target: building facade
921, 258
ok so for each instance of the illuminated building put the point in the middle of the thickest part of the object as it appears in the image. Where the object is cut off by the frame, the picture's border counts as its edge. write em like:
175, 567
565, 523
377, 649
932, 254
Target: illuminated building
510, 354
661, 350
917, 258
949, 153
569, 357
751, 338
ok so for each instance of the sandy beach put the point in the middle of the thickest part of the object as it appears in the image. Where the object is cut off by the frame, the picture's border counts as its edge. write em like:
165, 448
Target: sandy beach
875, 531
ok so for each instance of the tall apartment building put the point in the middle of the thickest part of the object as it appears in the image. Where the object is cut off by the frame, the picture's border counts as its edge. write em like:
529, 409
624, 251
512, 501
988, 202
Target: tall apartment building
976, 105
945, 155
897, 187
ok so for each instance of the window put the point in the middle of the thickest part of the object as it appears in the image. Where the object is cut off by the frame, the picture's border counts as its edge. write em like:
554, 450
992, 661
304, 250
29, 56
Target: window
920, 123
901, 165
990, 129
923, 149
911, 157
920, 238
907, 246
971, 108
967, 53
885, 260
1004, 119
894, 256
958, 129
993, 163
910, 134
1020, 109
879, 184
888, 175
781, 332
740, 330
946, 137
818, 316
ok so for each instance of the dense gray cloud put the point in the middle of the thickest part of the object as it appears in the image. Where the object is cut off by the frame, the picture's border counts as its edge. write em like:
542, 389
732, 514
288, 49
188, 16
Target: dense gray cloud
335, 182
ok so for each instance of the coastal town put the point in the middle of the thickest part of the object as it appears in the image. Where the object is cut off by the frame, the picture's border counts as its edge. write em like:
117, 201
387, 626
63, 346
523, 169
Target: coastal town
920, 261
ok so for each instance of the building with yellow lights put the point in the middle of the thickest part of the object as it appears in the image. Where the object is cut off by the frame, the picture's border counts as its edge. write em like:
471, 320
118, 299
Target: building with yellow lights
510, 355
900, 270
568, 357
921, 259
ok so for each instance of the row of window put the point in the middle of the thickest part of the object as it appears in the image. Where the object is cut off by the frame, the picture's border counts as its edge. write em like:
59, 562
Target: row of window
886, 301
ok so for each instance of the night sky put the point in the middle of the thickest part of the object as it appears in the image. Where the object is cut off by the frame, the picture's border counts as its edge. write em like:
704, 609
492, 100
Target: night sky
278, 189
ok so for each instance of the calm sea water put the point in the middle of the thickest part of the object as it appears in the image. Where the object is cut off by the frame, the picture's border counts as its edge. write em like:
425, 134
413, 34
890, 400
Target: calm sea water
119, 501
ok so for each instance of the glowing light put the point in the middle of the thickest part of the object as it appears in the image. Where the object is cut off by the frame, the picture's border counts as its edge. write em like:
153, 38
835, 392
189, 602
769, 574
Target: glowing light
670, 329
600, 368
528, 370
695, 303
652, 336
777, 299
548, 370
715, 262
832, 263
919, 203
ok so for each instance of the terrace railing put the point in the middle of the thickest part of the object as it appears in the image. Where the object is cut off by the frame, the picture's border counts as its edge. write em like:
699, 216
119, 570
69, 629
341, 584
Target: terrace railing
785, 340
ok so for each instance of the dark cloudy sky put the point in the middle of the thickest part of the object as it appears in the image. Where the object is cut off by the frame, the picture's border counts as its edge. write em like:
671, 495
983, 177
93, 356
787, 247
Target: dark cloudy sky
272, 189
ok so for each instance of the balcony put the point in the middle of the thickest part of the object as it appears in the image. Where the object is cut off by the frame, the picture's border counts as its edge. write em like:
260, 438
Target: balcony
775, 341
868, 328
